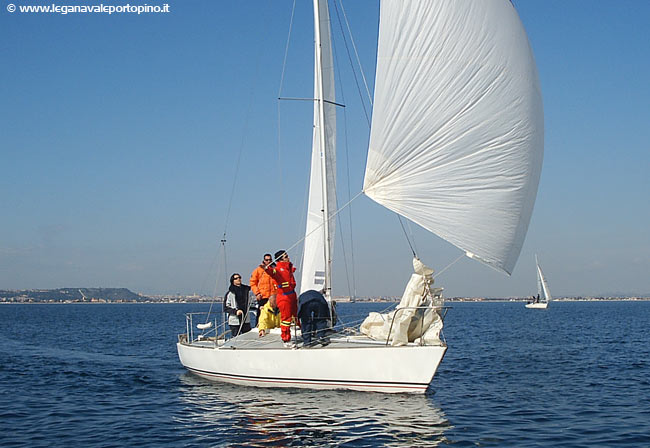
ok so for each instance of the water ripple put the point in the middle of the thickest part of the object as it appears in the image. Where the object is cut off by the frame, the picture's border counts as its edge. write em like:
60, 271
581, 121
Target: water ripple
576, 375
324, 418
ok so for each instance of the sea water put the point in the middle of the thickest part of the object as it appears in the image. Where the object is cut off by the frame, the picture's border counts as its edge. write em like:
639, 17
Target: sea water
107, 375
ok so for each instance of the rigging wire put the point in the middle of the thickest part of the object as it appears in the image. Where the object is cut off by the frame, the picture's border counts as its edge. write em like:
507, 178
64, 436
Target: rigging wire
449, 265
352, 289
363, 104
303, 224
222, 249
279, 176
345, 259
408, 224
279, 167
406, 235
356, 53
347, 164
241, 149
332, 216
234, 182
286, 49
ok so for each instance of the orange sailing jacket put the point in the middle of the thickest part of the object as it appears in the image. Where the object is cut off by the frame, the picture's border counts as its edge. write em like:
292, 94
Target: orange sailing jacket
262, 283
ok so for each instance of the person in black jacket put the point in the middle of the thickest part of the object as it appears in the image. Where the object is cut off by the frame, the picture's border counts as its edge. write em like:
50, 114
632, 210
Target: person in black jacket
237, 302
314, 315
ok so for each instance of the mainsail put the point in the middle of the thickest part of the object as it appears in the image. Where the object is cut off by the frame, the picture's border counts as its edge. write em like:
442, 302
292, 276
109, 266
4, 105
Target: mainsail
322, 187
457, 130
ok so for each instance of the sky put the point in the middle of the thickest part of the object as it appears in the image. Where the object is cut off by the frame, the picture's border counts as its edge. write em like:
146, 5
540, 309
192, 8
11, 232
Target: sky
130, 144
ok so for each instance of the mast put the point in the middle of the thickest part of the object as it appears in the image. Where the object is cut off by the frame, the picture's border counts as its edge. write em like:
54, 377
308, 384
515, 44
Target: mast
318, 77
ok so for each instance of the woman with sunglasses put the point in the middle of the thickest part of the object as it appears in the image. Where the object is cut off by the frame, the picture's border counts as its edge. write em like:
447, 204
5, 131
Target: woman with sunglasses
237, 302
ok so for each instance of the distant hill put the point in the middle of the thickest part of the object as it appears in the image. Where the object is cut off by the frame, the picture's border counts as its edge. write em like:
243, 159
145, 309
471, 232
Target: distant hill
71, 295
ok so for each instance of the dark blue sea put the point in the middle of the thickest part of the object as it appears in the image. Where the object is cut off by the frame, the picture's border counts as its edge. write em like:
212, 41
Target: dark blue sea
85, 375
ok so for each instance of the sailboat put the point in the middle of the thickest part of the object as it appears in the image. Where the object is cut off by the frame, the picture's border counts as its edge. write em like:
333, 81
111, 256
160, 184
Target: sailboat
543, 293
456, 146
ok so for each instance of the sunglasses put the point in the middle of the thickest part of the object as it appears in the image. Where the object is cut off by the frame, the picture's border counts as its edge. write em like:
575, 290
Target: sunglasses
236, 278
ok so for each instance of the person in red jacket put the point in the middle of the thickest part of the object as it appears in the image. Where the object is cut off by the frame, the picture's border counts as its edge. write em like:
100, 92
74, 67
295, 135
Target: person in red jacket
287, 300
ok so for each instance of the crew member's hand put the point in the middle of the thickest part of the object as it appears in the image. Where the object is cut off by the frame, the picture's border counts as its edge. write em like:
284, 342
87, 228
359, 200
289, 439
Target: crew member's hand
240, 312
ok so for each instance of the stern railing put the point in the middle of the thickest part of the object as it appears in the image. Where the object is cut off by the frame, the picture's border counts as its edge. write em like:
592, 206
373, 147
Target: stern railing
219, 330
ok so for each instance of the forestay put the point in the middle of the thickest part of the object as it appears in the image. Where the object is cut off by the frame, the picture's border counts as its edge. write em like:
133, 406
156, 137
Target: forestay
457, 131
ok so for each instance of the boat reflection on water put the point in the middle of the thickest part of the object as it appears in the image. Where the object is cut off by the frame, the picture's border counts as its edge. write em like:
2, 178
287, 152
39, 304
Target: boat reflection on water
220, 413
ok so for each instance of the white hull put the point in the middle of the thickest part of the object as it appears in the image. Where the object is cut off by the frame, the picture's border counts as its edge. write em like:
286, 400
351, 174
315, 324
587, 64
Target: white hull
341, 365
539, 306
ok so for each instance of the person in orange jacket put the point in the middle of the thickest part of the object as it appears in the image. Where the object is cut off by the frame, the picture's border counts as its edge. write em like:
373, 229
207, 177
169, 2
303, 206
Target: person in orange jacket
282, 273
262, 285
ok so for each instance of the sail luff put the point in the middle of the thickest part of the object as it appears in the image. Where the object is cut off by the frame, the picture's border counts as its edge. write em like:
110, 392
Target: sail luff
456, 143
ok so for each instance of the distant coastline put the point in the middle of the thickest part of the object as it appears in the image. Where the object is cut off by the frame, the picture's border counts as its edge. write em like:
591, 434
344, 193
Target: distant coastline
124, 295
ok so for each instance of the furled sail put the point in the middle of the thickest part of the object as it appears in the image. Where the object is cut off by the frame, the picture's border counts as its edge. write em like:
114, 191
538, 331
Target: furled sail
457, 130
417, 316
322, 186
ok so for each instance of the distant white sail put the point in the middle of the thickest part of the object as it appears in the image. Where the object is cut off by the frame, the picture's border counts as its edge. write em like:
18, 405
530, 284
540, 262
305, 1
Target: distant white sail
542, 284
457, 130
314, 263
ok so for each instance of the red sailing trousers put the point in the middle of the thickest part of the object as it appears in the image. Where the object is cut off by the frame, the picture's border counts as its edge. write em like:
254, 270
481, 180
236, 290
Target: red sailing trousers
288, 305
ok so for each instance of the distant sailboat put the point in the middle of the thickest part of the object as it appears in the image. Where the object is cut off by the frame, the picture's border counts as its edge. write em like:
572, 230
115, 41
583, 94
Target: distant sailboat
456, 146
543, 293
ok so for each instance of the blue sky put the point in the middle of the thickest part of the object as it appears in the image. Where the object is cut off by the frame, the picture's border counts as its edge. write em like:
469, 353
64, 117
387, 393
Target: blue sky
120, 135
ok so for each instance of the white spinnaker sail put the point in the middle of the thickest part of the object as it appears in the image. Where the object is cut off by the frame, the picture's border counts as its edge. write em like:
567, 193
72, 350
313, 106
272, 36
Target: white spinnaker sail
314, 262
542, 285
457, 130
